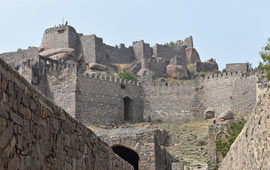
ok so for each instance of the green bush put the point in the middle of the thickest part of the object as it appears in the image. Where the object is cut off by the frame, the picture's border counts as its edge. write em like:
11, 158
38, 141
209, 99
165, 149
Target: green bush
232, 131
126, 75
265, 55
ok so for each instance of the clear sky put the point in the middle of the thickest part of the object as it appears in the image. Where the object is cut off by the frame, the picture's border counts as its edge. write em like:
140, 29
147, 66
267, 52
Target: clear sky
228, 30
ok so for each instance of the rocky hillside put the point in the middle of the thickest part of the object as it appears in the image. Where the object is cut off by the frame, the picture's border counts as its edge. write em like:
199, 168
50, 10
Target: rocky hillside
251, 150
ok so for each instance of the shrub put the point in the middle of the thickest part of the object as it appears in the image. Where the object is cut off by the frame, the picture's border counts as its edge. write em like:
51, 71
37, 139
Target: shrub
126, 75
232, 131
265, 55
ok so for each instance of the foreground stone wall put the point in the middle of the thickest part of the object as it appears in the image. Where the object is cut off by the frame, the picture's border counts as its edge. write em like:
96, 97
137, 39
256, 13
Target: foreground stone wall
36, 134
251, 148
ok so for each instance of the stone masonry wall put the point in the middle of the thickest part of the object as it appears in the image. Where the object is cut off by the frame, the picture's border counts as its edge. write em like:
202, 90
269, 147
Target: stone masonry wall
60, 37
58, 83
143, 142
100, 99
239, 67
16, 58
251, 148
187, 100
36, 134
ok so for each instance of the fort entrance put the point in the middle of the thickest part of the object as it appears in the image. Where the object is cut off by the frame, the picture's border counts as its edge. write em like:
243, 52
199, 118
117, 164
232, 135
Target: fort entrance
128, 155
127, 109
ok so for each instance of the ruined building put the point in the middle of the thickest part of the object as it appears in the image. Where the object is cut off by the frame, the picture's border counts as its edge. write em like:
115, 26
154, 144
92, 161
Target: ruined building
71, 70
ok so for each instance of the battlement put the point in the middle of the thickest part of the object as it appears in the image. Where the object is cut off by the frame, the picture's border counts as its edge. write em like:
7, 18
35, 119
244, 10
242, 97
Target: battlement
59, 67
112, 79
59, 29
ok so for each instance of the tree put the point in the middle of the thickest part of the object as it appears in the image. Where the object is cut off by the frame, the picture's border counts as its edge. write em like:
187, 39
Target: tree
265, 55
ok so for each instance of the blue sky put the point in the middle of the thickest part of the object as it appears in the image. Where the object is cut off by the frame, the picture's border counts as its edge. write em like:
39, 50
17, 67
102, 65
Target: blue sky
228, 30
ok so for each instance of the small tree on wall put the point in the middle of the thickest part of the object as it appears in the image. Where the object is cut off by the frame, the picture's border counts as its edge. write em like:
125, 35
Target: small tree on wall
231, 133
265, 55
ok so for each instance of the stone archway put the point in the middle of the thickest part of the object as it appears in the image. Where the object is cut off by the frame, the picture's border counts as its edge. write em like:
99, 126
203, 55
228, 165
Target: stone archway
127, 108
222, 136
128, 155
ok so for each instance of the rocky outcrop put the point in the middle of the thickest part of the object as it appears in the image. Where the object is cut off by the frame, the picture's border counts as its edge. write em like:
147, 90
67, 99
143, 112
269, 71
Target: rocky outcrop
192, 56
251, 148
52, 52
177, 71
96, 66
227, 115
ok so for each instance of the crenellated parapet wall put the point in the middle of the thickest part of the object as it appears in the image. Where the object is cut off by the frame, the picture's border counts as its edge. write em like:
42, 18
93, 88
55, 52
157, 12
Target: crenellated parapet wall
101, 99
226, 91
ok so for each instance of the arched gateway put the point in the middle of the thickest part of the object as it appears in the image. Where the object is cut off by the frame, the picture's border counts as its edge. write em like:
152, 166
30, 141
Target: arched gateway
128, 155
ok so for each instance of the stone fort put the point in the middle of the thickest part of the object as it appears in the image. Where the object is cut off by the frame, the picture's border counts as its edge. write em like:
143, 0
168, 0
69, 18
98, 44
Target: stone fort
71, 70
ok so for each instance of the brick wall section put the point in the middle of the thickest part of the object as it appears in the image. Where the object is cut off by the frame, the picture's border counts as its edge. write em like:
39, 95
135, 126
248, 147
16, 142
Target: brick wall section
251, 148
36, 134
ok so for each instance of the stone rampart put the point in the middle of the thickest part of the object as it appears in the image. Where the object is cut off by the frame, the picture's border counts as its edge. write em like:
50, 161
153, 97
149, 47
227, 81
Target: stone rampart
36, 134
188, 99
251, 148
100, 99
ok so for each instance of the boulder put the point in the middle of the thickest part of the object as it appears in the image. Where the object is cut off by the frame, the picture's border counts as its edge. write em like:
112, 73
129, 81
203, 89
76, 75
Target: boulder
192, 56
209, 113
145, 73
177, 71
227, 115
59, 56
51, 52
96, 66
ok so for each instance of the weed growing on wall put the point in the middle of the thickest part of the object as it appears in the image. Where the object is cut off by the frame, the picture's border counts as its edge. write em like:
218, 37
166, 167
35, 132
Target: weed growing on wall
126, 75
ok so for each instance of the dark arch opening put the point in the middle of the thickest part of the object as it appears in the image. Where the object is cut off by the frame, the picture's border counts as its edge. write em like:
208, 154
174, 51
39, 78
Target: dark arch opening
128, 155
127, 109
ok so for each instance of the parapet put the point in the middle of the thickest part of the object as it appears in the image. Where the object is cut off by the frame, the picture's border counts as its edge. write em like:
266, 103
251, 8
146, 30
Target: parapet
112, 79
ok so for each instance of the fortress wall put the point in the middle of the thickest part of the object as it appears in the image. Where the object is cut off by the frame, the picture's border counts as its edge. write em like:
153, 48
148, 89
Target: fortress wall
60, 37
157, 66
172, 103
15, 58
142, 50
58, 83
251, 148
89, 43
239, 67
102, 97
169, 52
230, 92
36, 134
117, 55
188, 100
